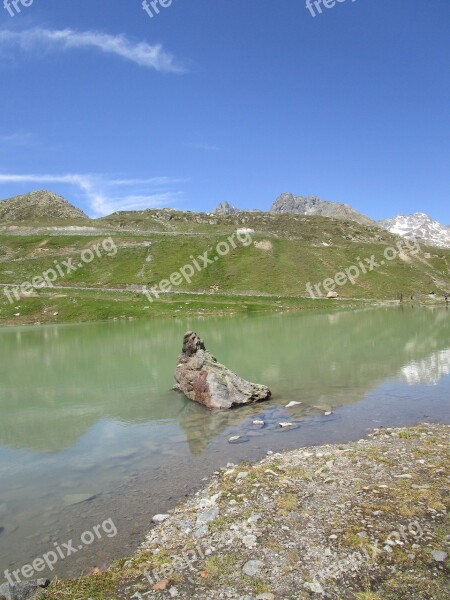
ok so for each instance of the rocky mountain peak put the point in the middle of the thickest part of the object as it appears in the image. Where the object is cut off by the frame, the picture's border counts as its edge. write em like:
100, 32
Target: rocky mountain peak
312, 205
225, 208
419, 226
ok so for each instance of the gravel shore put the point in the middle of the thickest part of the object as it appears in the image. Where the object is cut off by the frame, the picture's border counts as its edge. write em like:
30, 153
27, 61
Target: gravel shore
365, 521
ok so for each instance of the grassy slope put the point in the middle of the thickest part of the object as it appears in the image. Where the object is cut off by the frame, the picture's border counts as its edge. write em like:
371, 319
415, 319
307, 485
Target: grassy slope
292, 255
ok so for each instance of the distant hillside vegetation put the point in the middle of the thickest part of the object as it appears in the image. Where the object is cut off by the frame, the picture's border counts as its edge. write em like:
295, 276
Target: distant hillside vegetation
38, 207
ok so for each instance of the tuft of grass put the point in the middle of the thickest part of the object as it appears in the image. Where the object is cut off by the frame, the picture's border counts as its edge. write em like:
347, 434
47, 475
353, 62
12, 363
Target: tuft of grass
102, 586
287, 503
217, 566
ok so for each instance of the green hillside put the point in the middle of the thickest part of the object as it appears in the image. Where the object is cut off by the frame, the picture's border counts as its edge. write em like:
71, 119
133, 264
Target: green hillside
282, 255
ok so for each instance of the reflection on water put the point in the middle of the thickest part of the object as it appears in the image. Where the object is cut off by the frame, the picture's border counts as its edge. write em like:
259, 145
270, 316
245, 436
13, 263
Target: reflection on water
89, 410
428, 370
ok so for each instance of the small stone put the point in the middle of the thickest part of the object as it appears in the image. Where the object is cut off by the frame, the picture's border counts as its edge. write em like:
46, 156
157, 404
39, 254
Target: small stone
387, 548
161, 585
254, 518
285, 424
404, 476
258, 422
234, 438
270, 472
332, 537
314, 586
362, 534
159, 518
293, 403
265, 596
439, 555
207, 516
200, 531
242, 475
249, 541
328, 413
252, 567
173, 592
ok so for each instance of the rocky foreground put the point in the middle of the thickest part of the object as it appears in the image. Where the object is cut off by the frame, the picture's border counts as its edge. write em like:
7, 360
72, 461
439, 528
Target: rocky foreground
365, 521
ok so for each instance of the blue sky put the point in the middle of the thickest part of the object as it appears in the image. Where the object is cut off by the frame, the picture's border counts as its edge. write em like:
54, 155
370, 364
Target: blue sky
215, 100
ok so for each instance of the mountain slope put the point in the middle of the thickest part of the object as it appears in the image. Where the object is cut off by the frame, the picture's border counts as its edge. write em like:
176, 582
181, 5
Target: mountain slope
37, 207
311, 205
419, 226
225, 208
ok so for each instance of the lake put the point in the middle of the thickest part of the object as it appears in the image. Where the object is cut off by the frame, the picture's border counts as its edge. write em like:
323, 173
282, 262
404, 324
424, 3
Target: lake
90, 429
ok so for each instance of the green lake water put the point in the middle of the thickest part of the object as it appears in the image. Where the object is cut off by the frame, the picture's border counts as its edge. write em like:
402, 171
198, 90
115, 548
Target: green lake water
87, 411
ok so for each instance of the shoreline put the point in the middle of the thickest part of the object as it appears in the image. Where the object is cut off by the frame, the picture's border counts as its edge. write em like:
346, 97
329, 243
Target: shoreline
76, 306
331, 521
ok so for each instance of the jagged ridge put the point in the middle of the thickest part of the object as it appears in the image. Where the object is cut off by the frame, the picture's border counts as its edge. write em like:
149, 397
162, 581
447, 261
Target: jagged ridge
419, 226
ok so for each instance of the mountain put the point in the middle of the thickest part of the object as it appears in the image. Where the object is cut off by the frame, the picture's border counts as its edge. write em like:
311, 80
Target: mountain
225, 208
311, 205
419, 226
39, 206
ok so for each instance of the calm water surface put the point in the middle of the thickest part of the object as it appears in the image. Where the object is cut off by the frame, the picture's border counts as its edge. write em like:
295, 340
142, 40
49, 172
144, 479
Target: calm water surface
86, 411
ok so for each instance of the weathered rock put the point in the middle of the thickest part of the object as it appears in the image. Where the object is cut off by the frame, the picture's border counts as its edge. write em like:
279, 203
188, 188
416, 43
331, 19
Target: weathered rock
24, 590
252, 567
159, 518
201, 378
439, 555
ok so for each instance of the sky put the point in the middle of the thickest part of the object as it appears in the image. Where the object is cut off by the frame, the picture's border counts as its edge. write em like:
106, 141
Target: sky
119, 108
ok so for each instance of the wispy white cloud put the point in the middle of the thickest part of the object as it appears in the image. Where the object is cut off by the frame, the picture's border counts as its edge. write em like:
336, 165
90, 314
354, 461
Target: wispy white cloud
141, 53
16, 139
101, 193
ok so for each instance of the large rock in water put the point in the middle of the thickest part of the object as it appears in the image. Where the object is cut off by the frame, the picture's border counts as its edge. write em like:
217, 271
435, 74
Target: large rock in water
201, 378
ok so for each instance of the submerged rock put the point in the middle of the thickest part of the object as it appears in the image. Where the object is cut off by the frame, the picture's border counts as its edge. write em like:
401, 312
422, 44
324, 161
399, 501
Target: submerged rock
201, 378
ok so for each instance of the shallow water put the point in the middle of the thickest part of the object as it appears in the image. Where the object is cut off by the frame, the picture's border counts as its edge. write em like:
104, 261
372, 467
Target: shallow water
86, 411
